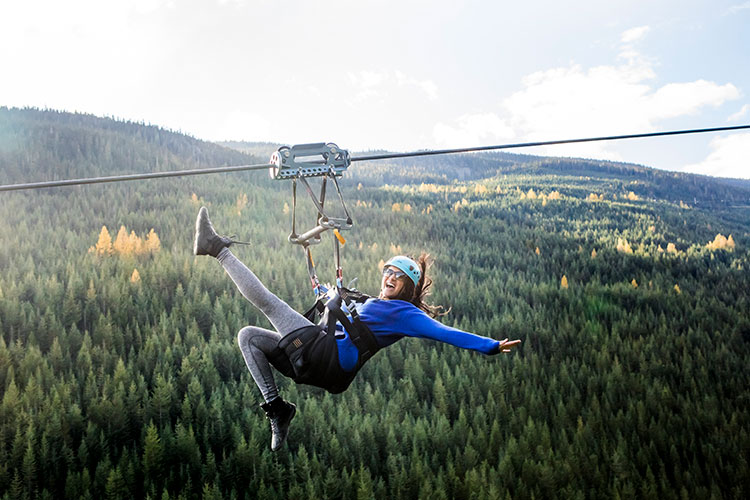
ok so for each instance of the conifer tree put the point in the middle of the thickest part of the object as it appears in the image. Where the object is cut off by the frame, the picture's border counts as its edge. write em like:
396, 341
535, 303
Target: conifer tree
104, 244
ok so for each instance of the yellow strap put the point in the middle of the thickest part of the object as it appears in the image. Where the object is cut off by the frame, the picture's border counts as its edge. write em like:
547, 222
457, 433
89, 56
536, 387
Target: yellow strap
309, 256
339, 237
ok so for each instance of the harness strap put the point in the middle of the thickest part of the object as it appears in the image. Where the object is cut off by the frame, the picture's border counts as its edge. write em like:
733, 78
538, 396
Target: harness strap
361, 336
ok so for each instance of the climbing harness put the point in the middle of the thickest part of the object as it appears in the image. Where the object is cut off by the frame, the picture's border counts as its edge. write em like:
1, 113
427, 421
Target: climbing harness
310, 355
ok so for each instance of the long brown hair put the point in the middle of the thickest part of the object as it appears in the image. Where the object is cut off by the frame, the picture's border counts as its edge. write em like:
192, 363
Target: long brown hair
417, 295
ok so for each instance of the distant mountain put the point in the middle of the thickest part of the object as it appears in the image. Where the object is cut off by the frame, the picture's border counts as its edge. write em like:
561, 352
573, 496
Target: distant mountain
37, 145
695, 190
262, 150
40, 145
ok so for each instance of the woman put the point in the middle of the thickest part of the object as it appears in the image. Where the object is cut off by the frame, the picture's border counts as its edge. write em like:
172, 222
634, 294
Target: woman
330, 361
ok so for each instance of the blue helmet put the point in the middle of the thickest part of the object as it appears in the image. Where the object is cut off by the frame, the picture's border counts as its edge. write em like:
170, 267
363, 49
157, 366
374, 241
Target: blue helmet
407, 265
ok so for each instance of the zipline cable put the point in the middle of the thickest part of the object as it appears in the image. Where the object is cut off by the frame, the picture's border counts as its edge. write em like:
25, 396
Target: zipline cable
388, 156
133, 177
385, 156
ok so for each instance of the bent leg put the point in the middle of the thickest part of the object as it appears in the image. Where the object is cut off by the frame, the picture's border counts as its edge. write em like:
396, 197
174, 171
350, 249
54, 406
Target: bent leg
283, 318
255, 344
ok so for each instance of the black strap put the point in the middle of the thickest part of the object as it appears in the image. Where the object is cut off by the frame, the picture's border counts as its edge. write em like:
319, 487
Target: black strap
362, 337
316, 311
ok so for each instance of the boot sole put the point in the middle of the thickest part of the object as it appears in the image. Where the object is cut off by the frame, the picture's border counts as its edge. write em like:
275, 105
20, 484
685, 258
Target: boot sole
200, 228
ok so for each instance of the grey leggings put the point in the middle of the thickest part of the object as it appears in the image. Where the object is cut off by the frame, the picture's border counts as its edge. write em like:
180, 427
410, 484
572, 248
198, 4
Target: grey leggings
256, 343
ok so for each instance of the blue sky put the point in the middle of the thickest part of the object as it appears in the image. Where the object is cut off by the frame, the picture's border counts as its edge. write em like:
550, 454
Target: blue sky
399, 75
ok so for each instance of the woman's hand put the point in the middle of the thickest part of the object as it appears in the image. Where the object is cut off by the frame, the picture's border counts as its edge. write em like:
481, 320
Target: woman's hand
506, 345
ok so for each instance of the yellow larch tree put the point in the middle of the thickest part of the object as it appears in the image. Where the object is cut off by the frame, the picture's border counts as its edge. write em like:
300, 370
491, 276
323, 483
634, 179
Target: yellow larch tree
153, 243
564, 282
623, 246
241, 203
104, 244
196, 201
721, 242
135, 244
122, 242
460, 204
126, 244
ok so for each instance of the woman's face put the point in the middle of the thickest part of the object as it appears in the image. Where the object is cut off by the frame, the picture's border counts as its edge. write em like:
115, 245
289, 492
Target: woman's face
392, 286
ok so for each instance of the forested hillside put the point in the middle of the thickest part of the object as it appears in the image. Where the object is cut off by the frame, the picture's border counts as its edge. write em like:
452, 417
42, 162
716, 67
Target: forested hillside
120, 376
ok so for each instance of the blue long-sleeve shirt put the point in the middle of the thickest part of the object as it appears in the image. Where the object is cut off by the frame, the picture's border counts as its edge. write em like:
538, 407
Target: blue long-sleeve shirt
392, 320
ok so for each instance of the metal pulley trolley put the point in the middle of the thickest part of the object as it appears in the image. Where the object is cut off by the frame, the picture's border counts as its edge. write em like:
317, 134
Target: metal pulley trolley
328, 161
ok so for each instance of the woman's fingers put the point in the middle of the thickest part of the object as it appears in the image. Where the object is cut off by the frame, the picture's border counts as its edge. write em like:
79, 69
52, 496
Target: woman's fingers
506, 345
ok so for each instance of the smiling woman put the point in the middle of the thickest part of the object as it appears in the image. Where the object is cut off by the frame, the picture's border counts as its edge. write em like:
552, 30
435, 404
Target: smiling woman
330, 355
406, 279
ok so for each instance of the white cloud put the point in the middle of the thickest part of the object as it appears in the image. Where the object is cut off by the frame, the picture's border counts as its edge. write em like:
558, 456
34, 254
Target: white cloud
150, 6
374, 85
571, 102
730, 158
472, 130
429, 87
739, 115
734, 9
677, 99
238, 125
634, 34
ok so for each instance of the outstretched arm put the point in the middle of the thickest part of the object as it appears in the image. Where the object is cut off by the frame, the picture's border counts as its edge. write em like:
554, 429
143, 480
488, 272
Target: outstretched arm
413, 322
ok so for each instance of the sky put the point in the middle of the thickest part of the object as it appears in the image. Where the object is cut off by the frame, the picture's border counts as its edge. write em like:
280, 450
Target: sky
399, 75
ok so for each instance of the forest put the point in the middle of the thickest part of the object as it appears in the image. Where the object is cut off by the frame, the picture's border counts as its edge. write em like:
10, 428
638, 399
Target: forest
120, 374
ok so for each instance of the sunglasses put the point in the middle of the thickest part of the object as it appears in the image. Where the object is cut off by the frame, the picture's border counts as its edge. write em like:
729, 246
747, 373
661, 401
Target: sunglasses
390, 272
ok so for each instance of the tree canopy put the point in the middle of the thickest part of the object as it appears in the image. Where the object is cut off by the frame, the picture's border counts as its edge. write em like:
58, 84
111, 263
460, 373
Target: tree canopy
120, 376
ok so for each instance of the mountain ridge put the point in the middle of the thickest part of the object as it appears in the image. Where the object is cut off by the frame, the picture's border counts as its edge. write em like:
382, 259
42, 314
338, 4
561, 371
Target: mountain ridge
80, 136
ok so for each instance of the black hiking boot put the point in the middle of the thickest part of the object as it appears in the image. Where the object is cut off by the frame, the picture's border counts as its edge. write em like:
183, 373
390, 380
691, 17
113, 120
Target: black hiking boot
280, 413
207, 241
